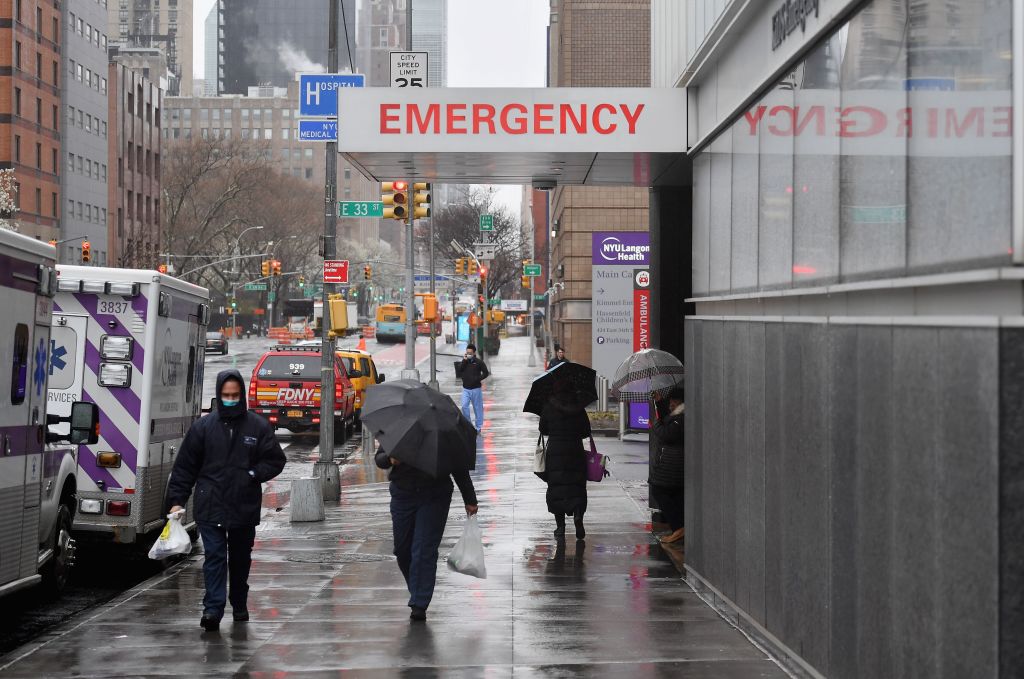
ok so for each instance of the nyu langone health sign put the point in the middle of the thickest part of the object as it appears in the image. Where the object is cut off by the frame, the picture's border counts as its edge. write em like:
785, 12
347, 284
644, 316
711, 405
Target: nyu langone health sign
318, 92
521, 120
622, 247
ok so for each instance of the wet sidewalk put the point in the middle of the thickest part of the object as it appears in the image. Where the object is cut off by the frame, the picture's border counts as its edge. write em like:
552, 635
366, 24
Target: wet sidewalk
327, 598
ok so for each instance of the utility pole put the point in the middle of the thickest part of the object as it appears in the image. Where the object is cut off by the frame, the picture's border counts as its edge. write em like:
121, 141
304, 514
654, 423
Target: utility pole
433, 384
410, 372
532, 361
325, 467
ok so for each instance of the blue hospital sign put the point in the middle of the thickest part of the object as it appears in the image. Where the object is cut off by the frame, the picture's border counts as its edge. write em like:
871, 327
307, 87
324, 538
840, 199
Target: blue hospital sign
318, 92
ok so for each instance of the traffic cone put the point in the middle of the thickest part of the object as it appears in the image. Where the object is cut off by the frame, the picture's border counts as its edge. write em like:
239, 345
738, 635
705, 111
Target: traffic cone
362, 344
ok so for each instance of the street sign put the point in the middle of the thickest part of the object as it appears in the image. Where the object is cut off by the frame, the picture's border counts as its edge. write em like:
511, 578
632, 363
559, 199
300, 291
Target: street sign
532, 270
485, 251
360, 208
409, 69
538, 298
514, 304
494, 302
255, 287
318, 130
271, 296
318, 92
336, 271
487, 222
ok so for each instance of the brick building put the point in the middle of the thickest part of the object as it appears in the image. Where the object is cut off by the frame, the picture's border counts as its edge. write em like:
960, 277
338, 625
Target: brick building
134, 115
30, 72
593, 43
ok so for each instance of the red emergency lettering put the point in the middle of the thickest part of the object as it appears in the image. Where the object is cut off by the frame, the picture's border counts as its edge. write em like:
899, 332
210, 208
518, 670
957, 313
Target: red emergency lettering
598, 127
543, 113
754, 118
1002, 121
975, 116
516, 125
568, 111
456, 115
386, 118
872, 123
631, 116
483, 114
433, 117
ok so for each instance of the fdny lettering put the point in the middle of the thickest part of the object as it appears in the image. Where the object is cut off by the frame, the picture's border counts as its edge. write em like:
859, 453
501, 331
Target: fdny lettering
515, 119
288, 394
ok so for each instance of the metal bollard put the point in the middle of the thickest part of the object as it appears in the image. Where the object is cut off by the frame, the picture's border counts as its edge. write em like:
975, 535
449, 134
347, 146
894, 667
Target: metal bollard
622, 420
602, 394
369, 446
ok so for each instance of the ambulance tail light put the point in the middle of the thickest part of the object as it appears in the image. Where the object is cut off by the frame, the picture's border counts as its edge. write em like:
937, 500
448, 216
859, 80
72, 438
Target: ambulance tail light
116, 348
115, 375
99, 287
90, 506
108, 460
119, 508
125, 289
69, 285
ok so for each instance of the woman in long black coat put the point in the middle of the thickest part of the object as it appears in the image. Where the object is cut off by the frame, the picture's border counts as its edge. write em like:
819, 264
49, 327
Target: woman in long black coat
666, 474
565, 468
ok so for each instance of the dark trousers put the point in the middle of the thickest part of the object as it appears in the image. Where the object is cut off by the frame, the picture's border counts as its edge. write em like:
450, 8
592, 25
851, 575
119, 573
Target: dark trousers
418, 518
670, 502
228, 552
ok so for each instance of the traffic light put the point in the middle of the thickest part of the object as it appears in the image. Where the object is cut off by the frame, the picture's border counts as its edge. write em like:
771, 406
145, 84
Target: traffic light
265, 268
276, 266
525, 281
234, 304
395, 196
53, 242
86, 251
430, 307
302, 282
368, 273
471, 266
420, 200
460, 266
162, 268
483, 274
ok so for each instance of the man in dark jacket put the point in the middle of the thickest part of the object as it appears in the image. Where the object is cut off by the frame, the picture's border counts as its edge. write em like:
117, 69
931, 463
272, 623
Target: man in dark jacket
473, 372
559, 358
226, 456
419, 511
666, 474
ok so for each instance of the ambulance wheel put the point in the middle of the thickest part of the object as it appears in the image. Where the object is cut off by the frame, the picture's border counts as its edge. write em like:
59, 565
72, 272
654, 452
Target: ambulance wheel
58, 568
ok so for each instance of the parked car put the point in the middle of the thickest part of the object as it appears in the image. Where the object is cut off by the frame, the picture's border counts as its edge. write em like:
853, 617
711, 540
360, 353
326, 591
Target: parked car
285, 388
363, 373
216, 341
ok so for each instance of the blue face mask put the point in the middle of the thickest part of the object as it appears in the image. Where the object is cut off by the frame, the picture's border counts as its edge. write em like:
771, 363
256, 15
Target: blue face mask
229, 404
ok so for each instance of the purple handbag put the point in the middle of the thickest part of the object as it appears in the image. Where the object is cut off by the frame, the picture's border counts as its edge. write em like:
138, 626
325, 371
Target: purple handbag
596, 463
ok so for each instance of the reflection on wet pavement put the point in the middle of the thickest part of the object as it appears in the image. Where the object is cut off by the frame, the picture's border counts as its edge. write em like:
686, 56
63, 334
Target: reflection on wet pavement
328, 596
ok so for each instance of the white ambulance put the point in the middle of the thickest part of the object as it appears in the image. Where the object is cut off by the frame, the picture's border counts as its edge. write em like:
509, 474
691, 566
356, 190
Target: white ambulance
37, 477
133, 343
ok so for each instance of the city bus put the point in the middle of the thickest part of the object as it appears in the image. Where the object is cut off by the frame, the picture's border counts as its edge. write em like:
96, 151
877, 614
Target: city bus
390, 323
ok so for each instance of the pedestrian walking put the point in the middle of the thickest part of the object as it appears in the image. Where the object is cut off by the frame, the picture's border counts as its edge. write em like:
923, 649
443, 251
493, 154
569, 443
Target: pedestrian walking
666, 474
558, 359
564, 421
225, 457
419, 512
473, 372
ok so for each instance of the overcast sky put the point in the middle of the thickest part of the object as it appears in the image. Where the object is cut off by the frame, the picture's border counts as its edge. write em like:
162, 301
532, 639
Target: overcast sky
491, 43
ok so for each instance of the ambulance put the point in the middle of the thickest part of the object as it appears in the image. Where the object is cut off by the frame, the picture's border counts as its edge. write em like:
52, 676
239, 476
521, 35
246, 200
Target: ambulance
37, 475
132, 342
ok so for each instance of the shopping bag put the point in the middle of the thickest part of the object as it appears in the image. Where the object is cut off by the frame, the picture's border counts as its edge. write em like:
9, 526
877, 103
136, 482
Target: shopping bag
596, 463
540, 455
173, 540
467, 556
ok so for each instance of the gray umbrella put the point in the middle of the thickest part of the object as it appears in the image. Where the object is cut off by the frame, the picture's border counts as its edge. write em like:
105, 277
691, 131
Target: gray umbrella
421, 427
649, 373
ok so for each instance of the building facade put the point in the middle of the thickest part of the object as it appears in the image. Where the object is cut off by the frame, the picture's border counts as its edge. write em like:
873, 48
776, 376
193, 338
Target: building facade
592, 44
134, 116
84, 139
30, 133
853, 335
151, 23
211, 49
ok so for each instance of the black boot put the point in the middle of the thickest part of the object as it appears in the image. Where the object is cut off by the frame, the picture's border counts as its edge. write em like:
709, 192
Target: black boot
577, 519
559, 525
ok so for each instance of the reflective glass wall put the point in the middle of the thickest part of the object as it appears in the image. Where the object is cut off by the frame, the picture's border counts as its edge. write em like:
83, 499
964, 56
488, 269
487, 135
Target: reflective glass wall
885, 152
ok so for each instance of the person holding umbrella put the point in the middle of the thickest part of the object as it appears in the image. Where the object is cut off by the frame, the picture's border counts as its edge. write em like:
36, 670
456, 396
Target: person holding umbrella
666, 473
426, 443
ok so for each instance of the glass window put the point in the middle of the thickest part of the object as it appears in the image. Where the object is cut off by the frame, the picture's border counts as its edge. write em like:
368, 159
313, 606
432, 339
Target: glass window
720, 215
285, 133
307, 153
701, 227
268, 134
19, 374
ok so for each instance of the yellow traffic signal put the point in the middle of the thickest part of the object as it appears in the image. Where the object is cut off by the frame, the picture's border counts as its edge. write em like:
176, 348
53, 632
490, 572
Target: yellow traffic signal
86, 251
368, 272
420, 200
526, 281
460, 266
162, 268
430, 308
395, 196
471, 263
265, 268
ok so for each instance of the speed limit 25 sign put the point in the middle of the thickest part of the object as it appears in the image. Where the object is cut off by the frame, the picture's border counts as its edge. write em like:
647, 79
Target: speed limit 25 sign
408, 69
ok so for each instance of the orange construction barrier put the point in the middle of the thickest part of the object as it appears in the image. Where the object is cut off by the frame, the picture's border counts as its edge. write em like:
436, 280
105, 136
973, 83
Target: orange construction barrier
369, 331
281, 335
362, 344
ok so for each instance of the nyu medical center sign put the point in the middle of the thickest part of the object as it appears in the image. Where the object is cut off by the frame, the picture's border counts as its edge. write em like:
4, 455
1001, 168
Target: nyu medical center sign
621, 292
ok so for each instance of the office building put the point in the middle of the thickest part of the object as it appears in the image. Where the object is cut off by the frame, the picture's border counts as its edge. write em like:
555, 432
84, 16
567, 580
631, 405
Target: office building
133, 196
211, 68
592, 45
30, 92
165, 24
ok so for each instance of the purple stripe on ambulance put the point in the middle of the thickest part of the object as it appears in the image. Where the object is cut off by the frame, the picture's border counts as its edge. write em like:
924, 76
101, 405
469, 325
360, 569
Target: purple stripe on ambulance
110, 323
124, 395
117, 440
140, 305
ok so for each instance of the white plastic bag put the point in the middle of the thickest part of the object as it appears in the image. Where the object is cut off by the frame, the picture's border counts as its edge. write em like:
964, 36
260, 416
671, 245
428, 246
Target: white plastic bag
467, 556
173, 540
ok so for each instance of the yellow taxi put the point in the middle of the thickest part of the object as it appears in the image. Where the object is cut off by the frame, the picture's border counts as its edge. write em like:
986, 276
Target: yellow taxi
362, 371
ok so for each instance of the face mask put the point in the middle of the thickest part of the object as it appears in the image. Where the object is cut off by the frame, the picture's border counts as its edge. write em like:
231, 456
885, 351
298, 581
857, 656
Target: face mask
229, 404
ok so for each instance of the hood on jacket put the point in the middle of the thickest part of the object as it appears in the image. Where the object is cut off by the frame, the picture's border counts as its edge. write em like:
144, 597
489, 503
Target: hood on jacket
230, 412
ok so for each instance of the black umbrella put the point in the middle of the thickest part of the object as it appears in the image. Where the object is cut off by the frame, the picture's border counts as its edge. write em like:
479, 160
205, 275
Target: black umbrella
420, 427
575, 383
